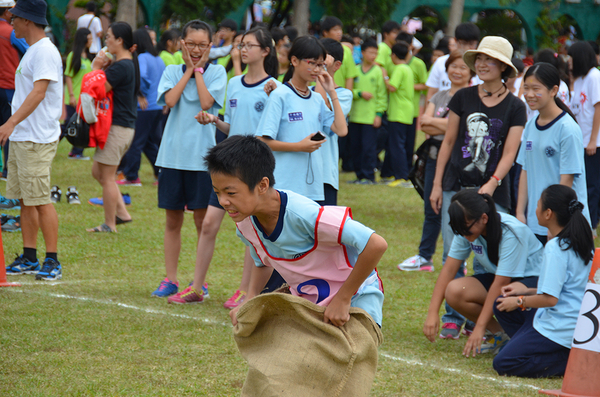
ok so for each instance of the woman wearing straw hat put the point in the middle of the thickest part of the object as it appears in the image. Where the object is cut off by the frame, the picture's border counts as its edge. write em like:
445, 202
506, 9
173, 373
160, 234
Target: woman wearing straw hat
484, 131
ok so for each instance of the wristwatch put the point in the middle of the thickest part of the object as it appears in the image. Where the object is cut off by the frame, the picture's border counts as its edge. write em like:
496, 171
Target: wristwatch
201, 70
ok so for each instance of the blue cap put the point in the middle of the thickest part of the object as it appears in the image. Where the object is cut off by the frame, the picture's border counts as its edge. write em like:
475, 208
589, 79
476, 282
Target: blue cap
32, 10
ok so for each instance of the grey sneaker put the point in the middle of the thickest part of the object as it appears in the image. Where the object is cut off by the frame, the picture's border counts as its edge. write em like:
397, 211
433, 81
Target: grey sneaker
73, 195
416, 263
450, 331
495, 343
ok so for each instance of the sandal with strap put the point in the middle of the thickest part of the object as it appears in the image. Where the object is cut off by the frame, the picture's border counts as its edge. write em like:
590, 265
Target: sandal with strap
123, 221
103, 228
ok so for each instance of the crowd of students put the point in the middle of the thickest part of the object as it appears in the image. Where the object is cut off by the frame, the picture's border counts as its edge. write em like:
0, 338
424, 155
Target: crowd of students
308, 104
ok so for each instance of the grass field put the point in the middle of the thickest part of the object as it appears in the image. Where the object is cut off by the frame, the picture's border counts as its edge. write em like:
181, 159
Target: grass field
97, 332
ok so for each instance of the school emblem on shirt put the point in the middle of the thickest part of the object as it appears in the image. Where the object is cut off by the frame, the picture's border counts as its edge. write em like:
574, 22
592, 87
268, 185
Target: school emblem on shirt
478, 249
295, 116
550, 151
233, 103
259, 106
529, 145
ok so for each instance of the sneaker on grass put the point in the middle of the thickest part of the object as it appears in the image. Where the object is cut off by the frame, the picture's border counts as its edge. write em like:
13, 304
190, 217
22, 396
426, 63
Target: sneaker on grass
188, 295
9, 204
416, 263
166, 288
235, 300
23, 266
97, 201
495, 343
450, 331
51, 270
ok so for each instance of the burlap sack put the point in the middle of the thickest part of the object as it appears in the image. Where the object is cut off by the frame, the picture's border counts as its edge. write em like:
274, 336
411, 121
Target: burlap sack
292, 352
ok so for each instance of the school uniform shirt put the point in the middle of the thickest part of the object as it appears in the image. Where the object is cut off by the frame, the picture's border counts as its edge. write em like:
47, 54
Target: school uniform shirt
167, 58
519, 254
41, 62
76, 78
294, 236
482, 132
420, 77
564, 276
546, 153
288, 117
371, 81
384, 58
330, 148
185, 142
245, 105
586, 93
347, 70
151, 70
400, 109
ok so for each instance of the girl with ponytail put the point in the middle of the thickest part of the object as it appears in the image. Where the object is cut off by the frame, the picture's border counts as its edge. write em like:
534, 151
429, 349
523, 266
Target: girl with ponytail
507, 251
550, 152
123, 79
542, 330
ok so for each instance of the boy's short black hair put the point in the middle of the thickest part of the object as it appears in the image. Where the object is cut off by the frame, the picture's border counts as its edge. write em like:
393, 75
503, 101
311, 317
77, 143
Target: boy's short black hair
334, 48
388, 26
90, 6
406, 37
400, 49
518, 64
278, 34
292, 32
229, 24
368, 44
346, 38
331, 22
595, 46
467, 31
243, 156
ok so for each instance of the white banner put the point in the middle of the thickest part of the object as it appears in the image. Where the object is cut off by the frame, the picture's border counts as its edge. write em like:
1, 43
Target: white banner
587, 330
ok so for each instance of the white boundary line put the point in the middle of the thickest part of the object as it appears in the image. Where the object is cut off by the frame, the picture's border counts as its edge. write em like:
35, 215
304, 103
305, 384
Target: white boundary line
213, 322
459, 371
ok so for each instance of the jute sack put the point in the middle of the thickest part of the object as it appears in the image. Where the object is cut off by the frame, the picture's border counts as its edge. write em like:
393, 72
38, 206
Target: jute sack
291, 352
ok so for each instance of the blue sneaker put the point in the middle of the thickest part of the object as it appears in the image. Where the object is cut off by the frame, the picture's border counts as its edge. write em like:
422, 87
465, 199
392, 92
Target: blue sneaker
97, 201
50, 271
9, 204
166, 288
22, 266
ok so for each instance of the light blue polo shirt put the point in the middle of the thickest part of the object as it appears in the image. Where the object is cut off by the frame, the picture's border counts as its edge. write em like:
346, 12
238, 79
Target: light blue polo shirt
564, 276
245, 104
519, 255
288, 117
548, 152
185, 142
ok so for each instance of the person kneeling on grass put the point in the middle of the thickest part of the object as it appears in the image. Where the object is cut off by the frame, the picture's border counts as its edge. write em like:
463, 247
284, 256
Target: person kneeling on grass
337, 270
508, 252
542, 331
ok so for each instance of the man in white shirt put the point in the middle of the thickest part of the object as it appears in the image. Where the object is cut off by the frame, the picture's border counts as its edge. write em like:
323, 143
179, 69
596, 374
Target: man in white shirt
467, 38
34, 131
92, 22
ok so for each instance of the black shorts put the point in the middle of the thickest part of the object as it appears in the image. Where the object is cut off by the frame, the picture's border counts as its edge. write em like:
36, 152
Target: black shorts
486, 279
179, 188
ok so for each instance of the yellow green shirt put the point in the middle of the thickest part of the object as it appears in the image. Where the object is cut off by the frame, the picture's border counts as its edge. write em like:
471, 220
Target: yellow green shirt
384, 58
420, 77
167, 58
86, 67
371, 81
400, 109
347, 70
178, 57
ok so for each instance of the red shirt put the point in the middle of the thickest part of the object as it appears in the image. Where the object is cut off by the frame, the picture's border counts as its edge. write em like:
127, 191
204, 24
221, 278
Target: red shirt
9, 57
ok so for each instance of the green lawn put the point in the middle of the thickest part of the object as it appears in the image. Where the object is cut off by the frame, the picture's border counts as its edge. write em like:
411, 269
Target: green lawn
98, 332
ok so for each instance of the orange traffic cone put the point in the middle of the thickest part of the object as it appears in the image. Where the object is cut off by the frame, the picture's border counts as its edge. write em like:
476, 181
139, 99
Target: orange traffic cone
581, 379
3, 281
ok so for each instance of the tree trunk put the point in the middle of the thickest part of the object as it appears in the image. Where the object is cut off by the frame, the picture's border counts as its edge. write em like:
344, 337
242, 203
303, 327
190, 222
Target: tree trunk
126, 12
455, 17
301, 11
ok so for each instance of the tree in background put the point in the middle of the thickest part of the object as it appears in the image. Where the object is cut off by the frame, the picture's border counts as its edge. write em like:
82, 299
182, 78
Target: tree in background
207, 10
360, 13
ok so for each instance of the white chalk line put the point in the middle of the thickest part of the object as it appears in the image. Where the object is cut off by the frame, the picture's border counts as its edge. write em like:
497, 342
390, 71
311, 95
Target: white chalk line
458, 371
213, 322
123, 305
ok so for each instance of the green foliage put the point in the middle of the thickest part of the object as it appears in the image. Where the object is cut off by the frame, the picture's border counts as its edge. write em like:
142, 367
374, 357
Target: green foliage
553, 26
505, 23
207, 10
361, 13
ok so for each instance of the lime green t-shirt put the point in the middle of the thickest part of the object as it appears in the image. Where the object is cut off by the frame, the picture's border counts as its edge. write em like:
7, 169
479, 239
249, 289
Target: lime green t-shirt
371, 81
400, 109
347, 70
384, 58
86, 67
167, 58
178, 57
420, 77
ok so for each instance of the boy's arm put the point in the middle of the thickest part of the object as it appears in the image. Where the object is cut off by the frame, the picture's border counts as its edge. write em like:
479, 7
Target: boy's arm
337, 312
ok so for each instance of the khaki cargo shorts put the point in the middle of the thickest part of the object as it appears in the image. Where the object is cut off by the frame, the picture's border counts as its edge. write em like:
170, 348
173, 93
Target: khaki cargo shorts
29, 167
118, 142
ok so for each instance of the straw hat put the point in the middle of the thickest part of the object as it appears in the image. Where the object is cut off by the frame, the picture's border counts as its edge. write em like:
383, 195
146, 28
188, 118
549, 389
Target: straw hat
495, 47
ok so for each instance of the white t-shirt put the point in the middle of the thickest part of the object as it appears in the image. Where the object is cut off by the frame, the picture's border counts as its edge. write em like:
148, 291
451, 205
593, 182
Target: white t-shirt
438, 78
41, 62
586, 93
95, 27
